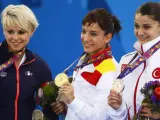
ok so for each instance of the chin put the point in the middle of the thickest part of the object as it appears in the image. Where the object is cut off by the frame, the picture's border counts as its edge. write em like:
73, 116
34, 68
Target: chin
15, 50
88, 51
143, 42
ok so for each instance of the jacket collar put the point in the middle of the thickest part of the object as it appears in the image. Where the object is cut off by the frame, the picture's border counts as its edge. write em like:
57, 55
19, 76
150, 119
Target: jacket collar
143, 48
6, 55
108, 49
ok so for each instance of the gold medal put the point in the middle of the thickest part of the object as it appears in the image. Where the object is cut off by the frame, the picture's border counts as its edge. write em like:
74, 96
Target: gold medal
118, 85
61, 79
37, 115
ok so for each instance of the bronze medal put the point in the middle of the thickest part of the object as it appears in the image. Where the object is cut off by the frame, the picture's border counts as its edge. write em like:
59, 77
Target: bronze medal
37, 115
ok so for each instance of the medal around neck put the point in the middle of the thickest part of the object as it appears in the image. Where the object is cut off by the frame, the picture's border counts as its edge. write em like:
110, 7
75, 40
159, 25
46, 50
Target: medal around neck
37, 115
118, 85
61, 79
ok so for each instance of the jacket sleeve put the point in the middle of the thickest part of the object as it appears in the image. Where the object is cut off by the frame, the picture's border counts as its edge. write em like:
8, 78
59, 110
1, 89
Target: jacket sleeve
120, 114
43, 71
44, 76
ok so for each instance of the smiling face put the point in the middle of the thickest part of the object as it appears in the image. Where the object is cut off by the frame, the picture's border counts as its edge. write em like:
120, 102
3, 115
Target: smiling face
146, 28
19, 23
94, 38
17, 38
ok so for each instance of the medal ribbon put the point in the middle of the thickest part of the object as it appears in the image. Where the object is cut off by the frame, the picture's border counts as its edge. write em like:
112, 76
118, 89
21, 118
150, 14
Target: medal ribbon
104, 55
139, 61
8, 63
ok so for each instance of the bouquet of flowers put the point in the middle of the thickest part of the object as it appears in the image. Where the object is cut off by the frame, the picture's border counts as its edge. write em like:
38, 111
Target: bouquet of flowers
151, 92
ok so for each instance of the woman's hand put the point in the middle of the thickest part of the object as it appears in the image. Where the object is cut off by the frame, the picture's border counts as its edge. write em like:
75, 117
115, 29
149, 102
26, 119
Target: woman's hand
114, 99
146, 112
58, 107
66, 93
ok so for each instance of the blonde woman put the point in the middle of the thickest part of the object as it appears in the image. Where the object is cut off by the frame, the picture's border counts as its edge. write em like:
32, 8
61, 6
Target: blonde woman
21, 71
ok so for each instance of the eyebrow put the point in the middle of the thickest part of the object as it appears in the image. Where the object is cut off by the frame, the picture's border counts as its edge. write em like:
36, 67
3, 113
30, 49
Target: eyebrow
147, 24
90, 31
15, 30
94, 31
144, 24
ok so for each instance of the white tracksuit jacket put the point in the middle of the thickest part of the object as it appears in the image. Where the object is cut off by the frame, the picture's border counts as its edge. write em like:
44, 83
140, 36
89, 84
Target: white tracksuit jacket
146, 72
90, 101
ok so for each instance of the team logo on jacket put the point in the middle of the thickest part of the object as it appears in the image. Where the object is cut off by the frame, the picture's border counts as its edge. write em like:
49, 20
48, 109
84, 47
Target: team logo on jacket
3, 74
156, 73
28, 73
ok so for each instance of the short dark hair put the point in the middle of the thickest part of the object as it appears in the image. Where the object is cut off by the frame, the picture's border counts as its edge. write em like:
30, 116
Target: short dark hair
152, 9
107, 22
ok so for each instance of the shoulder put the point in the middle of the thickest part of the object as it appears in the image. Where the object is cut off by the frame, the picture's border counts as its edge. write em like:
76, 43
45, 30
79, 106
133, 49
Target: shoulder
128, 56
110, 63
41, 61
38, 58
83, 58
43, 69
38, 61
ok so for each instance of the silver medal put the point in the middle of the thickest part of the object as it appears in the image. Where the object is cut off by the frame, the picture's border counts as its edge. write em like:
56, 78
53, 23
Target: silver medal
118, 85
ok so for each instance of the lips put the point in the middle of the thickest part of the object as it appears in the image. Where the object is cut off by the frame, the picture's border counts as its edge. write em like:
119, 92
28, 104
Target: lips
143, 38
87, 45
16, 43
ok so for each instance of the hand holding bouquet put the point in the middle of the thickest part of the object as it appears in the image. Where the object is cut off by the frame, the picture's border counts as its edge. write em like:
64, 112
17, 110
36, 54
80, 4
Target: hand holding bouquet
151, 92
